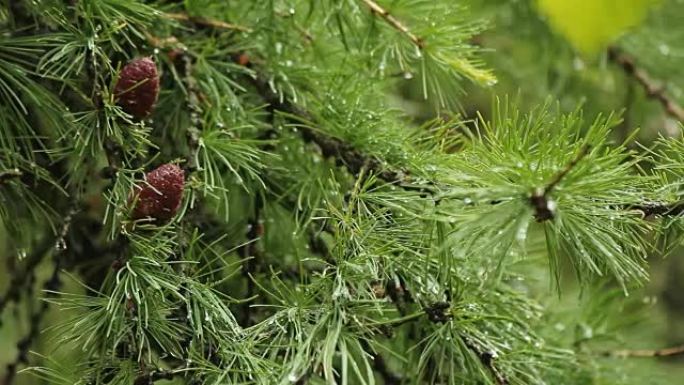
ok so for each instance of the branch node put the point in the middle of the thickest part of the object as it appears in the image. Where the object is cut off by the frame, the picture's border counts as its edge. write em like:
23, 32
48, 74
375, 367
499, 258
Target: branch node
544, 207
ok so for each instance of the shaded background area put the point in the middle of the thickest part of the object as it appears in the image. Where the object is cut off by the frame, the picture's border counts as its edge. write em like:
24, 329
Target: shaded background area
556, 50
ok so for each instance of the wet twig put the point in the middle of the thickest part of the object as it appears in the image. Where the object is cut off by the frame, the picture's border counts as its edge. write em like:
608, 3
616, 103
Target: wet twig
206, 22
666, 352
50, 288
381, 12
651, 87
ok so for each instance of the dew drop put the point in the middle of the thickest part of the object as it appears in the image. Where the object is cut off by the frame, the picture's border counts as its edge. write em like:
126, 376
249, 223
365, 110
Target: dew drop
61, 245
664, 49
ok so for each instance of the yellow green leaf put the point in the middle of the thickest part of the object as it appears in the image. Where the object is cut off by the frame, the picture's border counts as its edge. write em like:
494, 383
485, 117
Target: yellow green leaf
590, 25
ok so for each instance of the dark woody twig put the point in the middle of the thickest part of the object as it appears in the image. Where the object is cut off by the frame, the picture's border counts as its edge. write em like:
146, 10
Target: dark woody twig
154, 376
206, 22
487, 359
184, 63
193, 104
662, 209
20, 277
666, 352
380, 365
377, 9
250, 254
50, 287
653, 91
344, 153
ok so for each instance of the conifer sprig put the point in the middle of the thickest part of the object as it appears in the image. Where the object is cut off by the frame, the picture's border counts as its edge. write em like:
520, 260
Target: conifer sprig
324, 237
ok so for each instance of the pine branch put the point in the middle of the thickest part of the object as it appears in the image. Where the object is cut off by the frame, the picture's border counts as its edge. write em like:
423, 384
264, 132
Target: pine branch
438, 312
666, 352
381, 12
112, 149
653, 91
544, 208
345, 154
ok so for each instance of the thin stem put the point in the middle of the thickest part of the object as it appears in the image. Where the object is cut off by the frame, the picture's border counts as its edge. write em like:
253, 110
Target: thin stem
206, 22
20, 278
487, 359
399, 321
6, 175
666, 352
378, 10
663, 209
380, 365
251, 255
650, 86
50, 287
193, 103
156, 375
559, 177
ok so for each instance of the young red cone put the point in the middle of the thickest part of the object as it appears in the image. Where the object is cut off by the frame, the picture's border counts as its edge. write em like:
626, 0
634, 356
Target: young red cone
137, 89
161, 195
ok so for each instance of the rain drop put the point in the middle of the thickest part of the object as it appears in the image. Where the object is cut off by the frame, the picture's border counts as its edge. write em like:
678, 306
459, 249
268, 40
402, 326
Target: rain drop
664, 49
